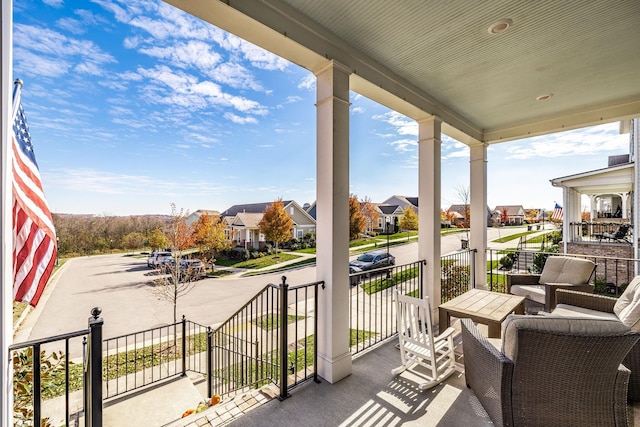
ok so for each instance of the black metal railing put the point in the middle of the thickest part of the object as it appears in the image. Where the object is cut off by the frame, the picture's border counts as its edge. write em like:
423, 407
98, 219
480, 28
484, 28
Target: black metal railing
608, 232
457, 274
611, 274
271, 339
136, 360
43, 371
372, 317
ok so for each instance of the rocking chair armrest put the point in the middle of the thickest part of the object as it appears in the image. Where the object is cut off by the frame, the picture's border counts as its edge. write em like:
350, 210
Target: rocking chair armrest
445, 334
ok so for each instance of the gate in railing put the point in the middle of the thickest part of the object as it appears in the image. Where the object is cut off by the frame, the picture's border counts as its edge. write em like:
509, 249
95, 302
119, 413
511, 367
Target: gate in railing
271, 339
136, 360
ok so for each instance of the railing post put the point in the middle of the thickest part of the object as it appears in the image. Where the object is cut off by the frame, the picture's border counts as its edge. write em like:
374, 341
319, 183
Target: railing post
184, 345
284, 302
93, 404
421, 281
37, 386
473, 268
210, 361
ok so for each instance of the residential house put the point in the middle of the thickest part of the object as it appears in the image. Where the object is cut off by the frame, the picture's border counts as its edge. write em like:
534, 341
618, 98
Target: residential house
243, 222
195, 216
403, 202
508, 215
389, 217
608, 193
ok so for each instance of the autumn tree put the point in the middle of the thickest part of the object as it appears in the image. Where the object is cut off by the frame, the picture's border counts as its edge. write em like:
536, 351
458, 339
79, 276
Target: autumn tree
134, 240
208, 233
180, 237
157, 239
370, 214
409, 220
504, 215
275, 224
357, 221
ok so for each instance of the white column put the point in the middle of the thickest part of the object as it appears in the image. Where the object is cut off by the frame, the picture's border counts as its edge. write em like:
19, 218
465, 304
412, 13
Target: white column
625, 205
478, 190
6, 247
565, 220
332, 188
593, 207
429, 149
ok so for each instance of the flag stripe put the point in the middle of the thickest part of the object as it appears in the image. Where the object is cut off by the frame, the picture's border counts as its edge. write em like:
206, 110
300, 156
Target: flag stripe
558, 213
29, 193
34, 238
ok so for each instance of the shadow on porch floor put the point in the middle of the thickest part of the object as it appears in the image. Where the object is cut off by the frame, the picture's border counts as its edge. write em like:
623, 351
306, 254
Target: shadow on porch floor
370, 396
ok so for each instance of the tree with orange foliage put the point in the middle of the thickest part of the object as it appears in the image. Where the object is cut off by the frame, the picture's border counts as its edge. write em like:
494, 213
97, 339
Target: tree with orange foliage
208, 234
275, 224
357, 221
370, 213
180, 237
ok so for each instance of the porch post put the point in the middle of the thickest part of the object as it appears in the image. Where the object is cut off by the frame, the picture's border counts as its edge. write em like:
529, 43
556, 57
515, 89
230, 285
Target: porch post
478, 190
429, 149
332, 207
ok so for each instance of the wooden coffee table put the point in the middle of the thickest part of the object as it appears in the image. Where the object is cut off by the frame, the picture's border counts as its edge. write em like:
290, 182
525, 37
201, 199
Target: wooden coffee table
489, 308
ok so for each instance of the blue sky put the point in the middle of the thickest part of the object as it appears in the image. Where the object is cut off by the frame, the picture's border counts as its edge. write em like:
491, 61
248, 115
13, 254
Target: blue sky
135, 105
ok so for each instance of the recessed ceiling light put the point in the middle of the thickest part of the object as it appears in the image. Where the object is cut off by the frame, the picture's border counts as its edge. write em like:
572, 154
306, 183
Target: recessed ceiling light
544, 97
500, 26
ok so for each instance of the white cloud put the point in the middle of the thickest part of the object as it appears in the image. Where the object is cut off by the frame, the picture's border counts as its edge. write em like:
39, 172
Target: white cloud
580, 142
402, 124
404, 145
308, 82
240, 120
53, 3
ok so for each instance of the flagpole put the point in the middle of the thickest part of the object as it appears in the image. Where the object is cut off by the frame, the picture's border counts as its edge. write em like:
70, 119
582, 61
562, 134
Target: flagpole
6, 229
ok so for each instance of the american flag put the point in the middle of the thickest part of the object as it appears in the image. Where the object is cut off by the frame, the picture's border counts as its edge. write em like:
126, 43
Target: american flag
34, 251
557, 213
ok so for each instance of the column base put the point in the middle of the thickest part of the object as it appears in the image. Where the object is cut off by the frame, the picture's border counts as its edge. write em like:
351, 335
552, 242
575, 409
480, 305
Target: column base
333, 370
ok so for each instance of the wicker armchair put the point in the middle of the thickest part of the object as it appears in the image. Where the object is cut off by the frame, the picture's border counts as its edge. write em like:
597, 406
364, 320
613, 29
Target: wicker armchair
551, 371
579, 304
559, 272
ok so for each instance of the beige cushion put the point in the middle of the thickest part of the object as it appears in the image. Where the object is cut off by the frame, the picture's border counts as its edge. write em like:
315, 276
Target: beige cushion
566, 310
627, 308
532, 292
553, 324
560, 269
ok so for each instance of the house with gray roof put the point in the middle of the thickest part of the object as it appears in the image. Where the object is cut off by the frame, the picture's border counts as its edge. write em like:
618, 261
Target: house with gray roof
243, 223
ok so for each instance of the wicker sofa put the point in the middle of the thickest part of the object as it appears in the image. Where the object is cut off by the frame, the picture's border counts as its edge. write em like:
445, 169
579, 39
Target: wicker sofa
551, 371
559, 272
625, 309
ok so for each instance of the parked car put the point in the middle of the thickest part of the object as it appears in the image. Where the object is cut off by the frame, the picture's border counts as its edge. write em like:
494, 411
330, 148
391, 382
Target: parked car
157, 258
355, 278
373, 259
191, 269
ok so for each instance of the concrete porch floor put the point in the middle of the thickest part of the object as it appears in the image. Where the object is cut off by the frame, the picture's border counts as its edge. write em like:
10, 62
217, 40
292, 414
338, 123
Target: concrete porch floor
371, 396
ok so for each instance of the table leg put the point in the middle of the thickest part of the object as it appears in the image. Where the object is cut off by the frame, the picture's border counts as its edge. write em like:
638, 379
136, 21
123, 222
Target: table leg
443, 319
519, 308
494, 329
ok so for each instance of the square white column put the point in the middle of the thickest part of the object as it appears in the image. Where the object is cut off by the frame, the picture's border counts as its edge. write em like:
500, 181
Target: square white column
332, 215
429, 183
478, 191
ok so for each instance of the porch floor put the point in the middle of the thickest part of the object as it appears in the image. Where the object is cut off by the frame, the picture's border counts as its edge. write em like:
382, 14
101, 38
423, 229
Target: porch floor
370, 396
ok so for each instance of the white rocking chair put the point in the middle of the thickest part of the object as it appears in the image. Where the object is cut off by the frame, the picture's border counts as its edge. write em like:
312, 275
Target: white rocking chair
418, 345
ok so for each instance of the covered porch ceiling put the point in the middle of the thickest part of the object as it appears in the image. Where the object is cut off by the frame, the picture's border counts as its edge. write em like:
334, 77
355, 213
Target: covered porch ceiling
424, 58
617, 179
